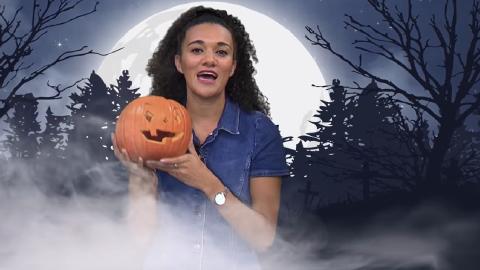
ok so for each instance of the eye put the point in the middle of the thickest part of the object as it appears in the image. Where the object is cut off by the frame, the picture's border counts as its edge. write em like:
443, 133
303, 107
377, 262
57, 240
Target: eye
177, 116
196, 51
222, 52
148, 116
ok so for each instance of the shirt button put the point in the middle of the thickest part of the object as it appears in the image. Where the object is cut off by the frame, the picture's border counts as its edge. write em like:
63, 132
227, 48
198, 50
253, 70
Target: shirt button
197, 212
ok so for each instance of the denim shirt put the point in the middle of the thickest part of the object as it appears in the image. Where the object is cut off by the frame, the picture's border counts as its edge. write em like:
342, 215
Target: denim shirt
193, 234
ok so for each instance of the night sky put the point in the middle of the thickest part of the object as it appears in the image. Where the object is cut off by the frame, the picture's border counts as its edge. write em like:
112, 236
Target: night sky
102, 29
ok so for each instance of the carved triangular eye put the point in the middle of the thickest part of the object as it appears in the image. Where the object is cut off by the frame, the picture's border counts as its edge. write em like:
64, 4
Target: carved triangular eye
176, 115
148, 116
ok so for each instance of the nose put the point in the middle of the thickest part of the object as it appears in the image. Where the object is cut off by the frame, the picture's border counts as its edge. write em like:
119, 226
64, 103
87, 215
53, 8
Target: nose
209, 60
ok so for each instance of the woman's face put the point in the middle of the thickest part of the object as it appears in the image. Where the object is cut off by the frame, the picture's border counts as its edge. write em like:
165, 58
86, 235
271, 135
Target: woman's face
206, 60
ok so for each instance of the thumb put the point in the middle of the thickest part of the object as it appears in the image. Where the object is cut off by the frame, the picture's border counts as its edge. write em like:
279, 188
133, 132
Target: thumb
191, 148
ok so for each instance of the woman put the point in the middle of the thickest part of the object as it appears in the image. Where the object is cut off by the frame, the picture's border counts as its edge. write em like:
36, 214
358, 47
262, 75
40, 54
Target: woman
226, 189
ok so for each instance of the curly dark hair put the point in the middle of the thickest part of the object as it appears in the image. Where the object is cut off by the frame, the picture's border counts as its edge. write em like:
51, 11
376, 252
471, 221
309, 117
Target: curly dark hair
241, 87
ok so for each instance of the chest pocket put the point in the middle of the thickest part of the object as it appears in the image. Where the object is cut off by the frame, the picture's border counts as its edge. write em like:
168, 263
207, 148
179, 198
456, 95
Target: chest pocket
229, 156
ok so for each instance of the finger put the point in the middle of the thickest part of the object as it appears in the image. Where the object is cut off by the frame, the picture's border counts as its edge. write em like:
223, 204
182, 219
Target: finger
191, 148
116, 152
114, 144
140, 162
170, 166
114, 140
125, 154
154, 164
178, 160
157, 165
167, 163
119, 155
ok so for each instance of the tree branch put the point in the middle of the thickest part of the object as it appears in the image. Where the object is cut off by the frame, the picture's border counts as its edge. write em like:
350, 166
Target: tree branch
44, 17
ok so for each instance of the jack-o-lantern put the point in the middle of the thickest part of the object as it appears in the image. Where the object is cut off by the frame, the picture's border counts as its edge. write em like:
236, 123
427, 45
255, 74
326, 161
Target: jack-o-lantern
153, 127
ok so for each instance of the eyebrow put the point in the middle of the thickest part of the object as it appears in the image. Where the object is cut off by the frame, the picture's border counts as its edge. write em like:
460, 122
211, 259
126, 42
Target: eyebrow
201, 42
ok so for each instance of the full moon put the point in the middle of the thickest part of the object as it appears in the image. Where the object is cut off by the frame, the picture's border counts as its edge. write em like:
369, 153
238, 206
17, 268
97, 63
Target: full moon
285, 69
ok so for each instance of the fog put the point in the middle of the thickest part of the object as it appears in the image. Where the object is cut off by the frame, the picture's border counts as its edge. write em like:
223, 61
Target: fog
41, 230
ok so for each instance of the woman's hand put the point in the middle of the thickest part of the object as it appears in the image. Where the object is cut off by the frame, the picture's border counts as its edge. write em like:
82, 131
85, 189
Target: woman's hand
135, 169
187, 168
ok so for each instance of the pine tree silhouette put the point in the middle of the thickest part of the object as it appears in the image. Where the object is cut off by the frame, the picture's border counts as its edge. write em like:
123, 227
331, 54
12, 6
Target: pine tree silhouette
93, 113
365, 144
328, 157
332, 135
94, 110
124, 93
23, 139
374, 140
332, 119
54, 137
463, 157
302, 174
53, 160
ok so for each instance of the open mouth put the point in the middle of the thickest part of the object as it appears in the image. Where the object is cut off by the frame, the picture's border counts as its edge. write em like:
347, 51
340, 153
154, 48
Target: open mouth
159, 137
208, 76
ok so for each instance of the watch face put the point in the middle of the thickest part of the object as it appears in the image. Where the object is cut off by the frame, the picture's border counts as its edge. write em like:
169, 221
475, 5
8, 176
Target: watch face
220, 198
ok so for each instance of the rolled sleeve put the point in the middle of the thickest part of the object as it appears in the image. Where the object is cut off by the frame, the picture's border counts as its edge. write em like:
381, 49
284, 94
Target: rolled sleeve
268, 157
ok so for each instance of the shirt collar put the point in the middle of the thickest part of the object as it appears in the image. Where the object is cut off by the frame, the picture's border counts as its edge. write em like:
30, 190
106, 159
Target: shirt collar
230, 117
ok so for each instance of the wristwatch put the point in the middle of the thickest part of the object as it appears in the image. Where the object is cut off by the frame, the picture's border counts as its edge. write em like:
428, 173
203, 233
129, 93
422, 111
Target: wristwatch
221, 197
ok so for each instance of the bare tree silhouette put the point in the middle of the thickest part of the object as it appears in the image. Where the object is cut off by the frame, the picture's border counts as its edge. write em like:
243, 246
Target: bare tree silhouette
17, 47
446, 92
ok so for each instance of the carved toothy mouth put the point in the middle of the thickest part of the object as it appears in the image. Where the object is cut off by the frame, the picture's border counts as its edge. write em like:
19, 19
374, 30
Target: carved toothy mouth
160, 136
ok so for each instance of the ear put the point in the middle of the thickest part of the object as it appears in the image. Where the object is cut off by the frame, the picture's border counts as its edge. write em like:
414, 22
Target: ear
177, 63
233, 68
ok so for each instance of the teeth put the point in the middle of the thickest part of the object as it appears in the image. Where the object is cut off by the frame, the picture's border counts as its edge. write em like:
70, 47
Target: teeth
208, 74
176, 138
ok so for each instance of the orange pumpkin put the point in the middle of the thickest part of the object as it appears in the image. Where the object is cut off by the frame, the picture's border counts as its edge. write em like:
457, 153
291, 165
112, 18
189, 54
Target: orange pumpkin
153, 127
